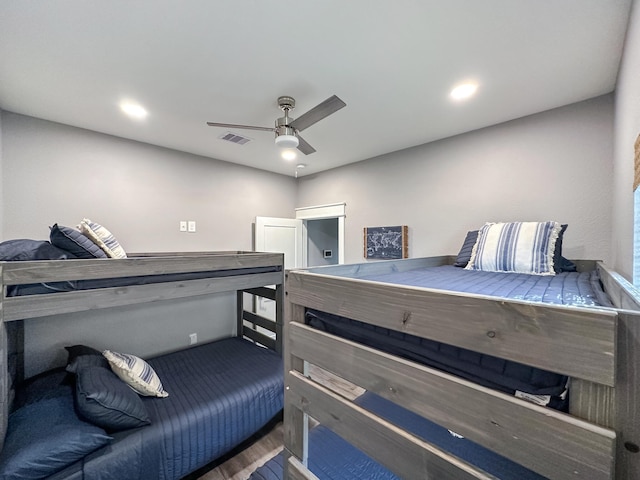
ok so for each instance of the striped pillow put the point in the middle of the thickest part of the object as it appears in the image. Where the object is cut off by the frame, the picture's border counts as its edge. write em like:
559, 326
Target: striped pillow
103, 238
136, 373
520, 247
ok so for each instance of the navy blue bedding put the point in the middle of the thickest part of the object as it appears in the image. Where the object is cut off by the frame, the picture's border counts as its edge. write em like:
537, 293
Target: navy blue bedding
220, 394
69, 286
332, 458
568, 288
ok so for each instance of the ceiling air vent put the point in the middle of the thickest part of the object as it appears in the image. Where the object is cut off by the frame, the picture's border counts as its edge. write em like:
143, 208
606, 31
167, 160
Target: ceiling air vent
233, 138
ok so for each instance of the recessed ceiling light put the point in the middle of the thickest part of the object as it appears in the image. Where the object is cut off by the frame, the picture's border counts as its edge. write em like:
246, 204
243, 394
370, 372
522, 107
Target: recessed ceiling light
133, 110
289, 154
464, 90
301, 165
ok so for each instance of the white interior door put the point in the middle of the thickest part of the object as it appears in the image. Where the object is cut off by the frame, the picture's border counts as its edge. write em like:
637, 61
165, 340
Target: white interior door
283, 235
280, 235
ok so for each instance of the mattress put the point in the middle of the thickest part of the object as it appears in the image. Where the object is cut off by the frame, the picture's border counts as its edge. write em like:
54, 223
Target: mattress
220, 394
543, 387
567, 288
332, 458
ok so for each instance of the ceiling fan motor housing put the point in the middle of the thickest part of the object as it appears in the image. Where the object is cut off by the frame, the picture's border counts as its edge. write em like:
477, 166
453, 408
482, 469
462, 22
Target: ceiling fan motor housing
286, 102
286, 136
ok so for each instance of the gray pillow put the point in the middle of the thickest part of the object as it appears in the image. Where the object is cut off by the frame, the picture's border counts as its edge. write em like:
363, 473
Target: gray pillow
106, 401
73, 241
24, 250
465, 251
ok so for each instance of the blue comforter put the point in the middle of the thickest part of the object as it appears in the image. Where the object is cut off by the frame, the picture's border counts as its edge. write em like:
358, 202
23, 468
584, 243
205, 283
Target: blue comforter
219, 395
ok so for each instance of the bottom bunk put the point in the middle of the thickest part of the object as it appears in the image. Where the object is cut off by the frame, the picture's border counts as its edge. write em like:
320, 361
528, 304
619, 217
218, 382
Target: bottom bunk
332, 458
219, 394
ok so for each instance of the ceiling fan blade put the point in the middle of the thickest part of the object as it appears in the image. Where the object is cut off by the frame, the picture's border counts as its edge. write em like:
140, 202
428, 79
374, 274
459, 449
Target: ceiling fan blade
304, 147
246, 127
317, 113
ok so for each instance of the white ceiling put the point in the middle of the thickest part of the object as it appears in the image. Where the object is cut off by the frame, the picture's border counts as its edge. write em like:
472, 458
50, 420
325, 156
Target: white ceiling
392, 62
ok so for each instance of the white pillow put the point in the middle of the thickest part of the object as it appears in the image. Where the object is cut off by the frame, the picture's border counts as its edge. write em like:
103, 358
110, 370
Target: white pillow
136, 373
520, 247
103, 238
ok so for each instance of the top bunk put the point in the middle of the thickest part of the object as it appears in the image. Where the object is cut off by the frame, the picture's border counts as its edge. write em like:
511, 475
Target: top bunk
87, 269
591, 336
38, 288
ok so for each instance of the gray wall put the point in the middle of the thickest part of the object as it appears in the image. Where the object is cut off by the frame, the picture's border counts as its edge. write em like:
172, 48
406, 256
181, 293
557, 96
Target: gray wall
555, 165
1, 182
322, 235
627, 128
56, 173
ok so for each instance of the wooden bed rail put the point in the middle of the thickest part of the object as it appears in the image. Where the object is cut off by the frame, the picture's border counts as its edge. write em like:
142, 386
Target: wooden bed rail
578, 342
551, 443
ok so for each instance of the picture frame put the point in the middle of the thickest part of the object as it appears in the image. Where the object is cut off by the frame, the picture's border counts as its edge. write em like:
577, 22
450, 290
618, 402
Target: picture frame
386, 243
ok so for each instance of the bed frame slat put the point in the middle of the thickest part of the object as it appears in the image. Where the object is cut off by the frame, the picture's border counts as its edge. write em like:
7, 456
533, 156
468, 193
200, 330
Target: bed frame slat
578, 342
404, 454
260, 338
260, 321
32, 306
559, 445
17, 273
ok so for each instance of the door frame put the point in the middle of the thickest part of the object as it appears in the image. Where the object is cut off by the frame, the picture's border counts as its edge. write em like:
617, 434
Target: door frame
319, 212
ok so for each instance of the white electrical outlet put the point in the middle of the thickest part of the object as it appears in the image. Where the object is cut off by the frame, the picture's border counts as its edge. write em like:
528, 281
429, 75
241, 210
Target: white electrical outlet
193, 338
192, 226
183, 225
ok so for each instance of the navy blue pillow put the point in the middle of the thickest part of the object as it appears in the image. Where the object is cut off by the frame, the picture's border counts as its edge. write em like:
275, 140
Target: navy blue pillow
25, 250
106, 401
85, 361
465, 251
76, 351
557, 252
567, 265
75, 242
45, 437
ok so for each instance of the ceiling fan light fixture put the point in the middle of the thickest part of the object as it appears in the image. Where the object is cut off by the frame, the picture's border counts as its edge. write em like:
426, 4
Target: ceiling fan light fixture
287, 141
289, 154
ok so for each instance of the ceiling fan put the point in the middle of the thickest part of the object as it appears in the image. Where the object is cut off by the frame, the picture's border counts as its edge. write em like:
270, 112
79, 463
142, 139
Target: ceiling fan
287, 128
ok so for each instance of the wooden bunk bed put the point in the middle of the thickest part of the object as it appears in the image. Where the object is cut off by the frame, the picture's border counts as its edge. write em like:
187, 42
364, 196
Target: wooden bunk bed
597, 348
166, 276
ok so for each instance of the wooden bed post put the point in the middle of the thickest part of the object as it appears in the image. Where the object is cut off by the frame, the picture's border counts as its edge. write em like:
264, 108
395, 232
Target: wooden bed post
626, 398
280, 317
240, 313
4, 367
296, 440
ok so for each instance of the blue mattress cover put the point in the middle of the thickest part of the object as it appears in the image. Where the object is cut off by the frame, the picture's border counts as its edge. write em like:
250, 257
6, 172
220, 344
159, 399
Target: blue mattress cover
332, 458
567, 288
219, 395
